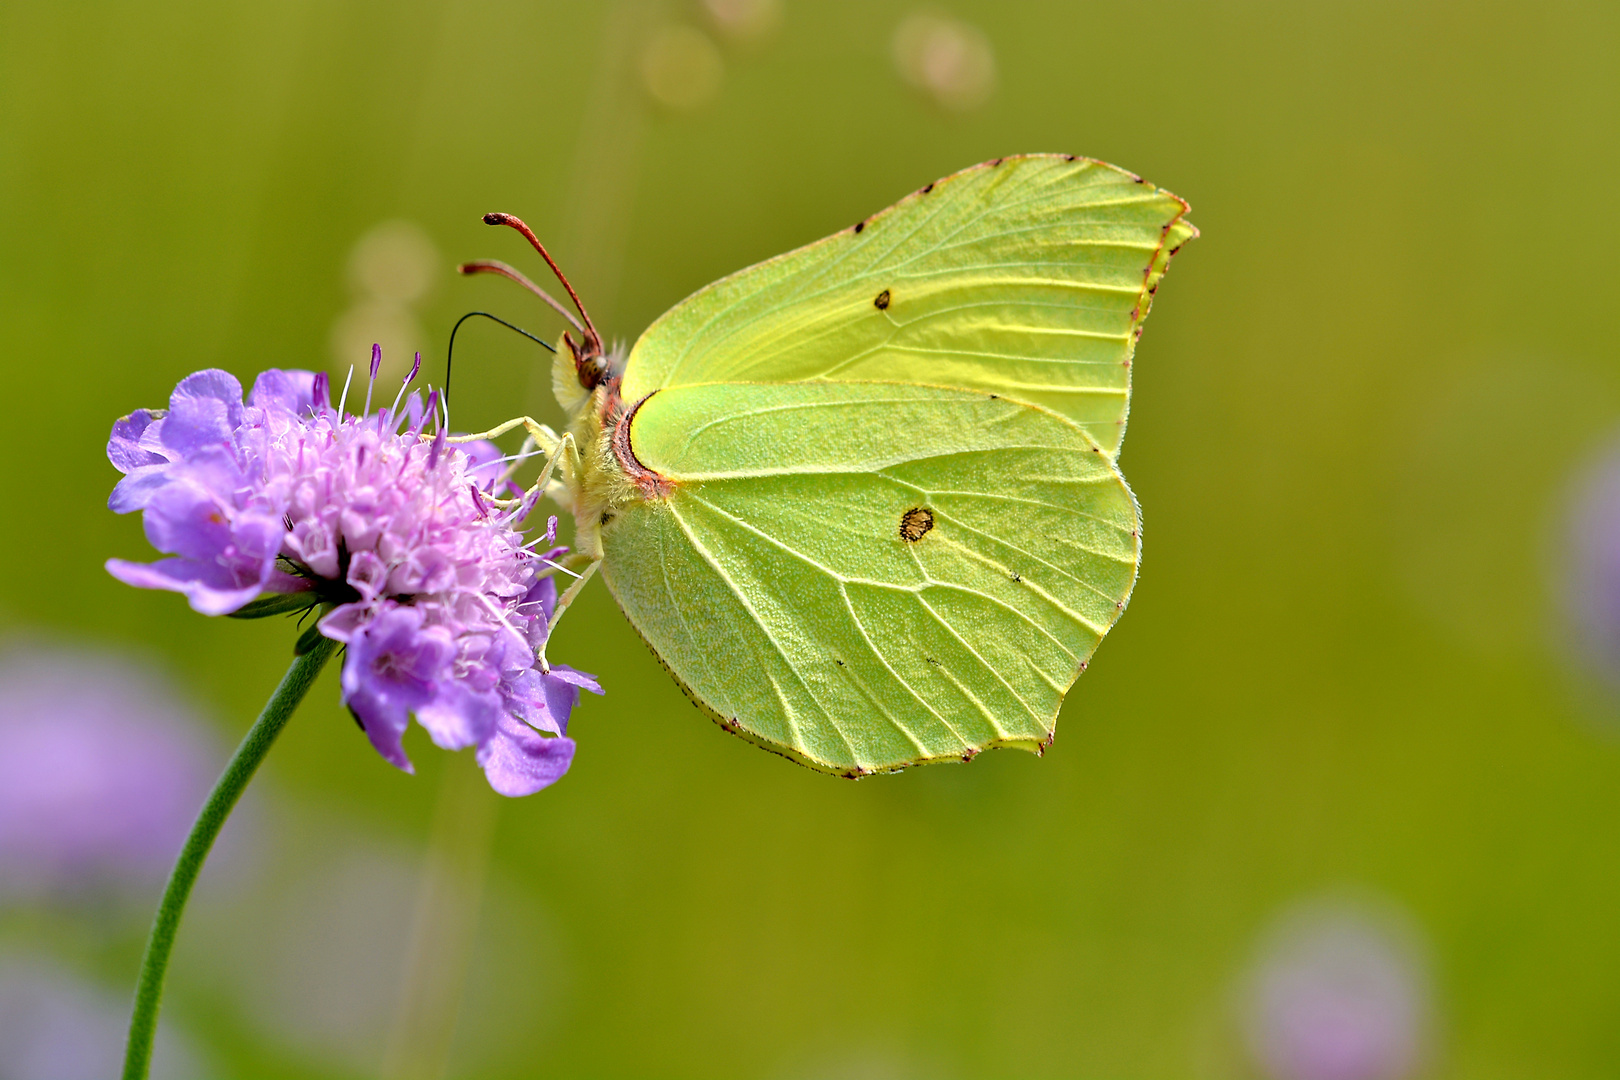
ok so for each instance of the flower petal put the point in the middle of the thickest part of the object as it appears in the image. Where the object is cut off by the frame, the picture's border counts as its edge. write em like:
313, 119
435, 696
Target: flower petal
136, 489
182, 519
203, 584
525, 695
289, 391
562, 685
564, 673
459, 717
387, 737
520, 761
344, 622
124, 448
205, 410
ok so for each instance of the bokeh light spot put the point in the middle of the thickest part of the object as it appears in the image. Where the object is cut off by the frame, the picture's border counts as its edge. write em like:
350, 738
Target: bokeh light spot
681, 68
102, 771
949, 60
745, 21
393, 268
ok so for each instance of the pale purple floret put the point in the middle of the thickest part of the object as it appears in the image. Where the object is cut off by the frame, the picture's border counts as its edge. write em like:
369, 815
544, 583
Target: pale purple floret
424, 579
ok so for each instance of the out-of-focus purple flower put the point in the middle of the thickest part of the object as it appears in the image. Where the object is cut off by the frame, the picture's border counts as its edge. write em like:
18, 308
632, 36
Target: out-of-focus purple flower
55, 1026
1337, 994
101, 774
432, 588
1592, 573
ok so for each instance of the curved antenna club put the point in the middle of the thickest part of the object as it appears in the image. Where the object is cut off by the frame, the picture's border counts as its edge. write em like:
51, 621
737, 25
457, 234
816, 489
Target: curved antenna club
589, 362
450, 350
515, 222
495, 266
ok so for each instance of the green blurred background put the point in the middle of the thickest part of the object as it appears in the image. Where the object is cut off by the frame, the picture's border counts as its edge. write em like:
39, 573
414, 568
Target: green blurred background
1359, 404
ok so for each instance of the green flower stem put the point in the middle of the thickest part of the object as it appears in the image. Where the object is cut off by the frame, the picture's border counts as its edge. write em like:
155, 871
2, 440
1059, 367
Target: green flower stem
244, 763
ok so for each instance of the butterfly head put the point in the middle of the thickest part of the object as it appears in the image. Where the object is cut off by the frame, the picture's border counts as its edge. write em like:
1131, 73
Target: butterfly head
592, 366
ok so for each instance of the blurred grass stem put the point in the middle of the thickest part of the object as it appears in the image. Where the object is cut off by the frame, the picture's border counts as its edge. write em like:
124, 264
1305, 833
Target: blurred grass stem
243, 764
455, 868
601, 189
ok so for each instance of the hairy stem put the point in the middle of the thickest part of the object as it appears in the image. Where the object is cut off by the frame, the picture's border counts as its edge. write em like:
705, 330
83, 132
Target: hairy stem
160, 943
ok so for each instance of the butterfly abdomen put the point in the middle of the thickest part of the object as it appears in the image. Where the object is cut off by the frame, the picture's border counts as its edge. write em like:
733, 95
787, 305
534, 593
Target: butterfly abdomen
649, 483
611, 477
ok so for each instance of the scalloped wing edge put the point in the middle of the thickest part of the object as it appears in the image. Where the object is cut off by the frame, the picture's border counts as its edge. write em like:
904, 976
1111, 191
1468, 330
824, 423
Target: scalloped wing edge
733, 725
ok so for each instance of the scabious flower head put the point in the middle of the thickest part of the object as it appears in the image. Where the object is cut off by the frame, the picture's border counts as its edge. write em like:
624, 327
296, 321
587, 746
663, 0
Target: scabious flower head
433, 590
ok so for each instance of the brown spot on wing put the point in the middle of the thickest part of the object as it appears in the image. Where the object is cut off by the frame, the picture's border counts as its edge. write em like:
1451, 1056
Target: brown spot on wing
882, 301
914, 523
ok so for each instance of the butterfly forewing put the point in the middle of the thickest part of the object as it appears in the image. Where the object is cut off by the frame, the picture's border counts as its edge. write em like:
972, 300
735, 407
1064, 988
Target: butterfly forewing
869, 575
1028, 277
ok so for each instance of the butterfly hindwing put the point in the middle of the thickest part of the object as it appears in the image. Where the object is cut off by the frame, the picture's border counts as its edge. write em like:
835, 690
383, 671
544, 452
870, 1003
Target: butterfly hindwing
1028, 277
868, 575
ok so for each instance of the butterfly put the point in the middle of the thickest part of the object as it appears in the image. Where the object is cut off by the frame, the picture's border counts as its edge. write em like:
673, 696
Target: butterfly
862, 500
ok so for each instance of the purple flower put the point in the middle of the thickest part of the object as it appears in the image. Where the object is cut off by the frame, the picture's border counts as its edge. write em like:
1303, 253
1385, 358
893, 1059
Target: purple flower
1337, 995
428, 583
101, 774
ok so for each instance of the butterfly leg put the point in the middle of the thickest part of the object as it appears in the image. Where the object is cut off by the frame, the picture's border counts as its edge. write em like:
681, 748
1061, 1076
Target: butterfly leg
525, 452
560, 450
538, 435
564, 452
541, 434
562, 605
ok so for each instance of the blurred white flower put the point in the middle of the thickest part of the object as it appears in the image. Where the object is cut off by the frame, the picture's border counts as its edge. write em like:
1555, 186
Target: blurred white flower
392, 269
55, 1026
1338, 992
681, 68
949, 60
745, 21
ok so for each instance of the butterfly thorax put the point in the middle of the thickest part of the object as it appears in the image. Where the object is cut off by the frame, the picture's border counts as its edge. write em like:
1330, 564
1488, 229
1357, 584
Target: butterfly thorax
609, 476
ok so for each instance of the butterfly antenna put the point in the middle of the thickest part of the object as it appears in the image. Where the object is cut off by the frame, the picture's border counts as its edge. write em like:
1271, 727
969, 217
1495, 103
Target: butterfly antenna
589, 361
450, 351
495, 266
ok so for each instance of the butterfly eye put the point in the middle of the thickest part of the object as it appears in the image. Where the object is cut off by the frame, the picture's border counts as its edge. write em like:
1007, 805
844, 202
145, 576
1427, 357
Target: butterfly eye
589, 363
592, 372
